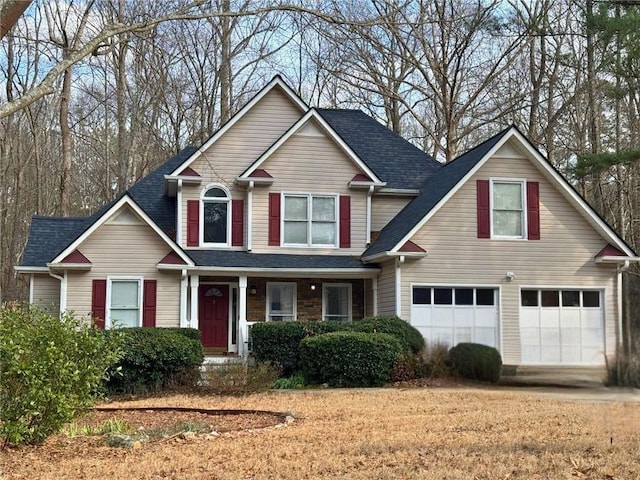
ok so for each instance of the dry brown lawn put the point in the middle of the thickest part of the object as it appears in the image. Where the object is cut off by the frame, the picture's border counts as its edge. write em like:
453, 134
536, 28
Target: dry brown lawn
420, 433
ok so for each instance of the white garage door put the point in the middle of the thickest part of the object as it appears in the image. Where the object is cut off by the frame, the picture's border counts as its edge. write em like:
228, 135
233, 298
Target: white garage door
452, 315
561, 327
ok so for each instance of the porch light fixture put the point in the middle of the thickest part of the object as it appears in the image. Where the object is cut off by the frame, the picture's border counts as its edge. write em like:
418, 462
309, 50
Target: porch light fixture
313, 286
253, 290
510, 276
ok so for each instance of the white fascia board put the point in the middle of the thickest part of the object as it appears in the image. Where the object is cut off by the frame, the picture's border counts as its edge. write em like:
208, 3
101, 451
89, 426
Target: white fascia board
184, 178
359, 184
313, 114
21, 269
125, 200
616, 259
69, 266
255, 180
382, 256
277, 272
276, 82
402, 192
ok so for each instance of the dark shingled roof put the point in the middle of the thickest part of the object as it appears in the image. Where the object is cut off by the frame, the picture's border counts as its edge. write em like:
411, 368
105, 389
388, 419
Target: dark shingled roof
241, 259
434, 190
48, 236
391, 157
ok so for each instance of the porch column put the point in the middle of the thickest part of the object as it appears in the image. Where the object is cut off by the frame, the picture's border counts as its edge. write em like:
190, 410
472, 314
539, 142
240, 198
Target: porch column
195, 283
63, 293
184, 280
242, 315
374, 293
399, 263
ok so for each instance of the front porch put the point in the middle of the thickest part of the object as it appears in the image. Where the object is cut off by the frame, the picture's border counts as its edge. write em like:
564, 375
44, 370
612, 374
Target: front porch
224, 308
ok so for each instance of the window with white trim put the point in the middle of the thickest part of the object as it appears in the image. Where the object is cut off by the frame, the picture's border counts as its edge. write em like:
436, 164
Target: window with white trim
310, 220
281, 302
508, 209
216, 216
124, 300
336, 302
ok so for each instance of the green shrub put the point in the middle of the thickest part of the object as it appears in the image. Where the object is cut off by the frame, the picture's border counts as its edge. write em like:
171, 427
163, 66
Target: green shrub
277, 343
192, 333
349, 359
410, 338
51, 370
475, 361
239, 378
286, 383
155, 358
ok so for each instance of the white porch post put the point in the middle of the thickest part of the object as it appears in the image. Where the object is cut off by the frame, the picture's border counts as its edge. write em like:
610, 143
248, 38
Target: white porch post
242, 315
195, 283
399, 262
184, 322
63, 293
374, 290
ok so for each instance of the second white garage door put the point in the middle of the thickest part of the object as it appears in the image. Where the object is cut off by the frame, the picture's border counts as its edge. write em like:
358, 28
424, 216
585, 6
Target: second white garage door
452, 315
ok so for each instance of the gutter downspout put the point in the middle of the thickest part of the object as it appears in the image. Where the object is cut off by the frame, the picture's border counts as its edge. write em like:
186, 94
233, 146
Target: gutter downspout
369, 193
179, 213
31, 280
399, 263
249, 215
183, 299
63, 290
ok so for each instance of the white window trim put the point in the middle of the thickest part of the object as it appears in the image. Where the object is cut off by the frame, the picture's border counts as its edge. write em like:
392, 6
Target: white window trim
204, 200
309, 221
523, 183
295, 299
110, 280
324, 298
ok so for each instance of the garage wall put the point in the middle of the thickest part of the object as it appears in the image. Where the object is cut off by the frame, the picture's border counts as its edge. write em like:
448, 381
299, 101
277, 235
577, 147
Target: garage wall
387, 289
46, 293
563, 256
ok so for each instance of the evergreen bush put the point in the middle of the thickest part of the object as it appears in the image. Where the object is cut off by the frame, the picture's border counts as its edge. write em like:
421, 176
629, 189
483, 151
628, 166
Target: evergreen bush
476, 362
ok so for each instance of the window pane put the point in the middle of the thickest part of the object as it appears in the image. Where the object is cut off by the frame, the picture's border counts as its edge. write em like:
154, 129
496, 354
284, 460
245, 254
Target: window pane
507, 223
336, 302
124, 294
295, 208
590, 298
295, 232
529, 298
442, 296
124, 318
215, 222
550, 298
324, 209
323, 233
485, 296
570, 298
421, 296
507, 196
281, 302
464, 296
215, 193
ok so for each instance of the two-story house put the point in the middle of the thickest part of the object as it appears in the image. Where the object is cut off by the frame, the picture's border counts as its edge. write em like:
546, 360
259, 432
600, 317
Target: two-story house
297, 213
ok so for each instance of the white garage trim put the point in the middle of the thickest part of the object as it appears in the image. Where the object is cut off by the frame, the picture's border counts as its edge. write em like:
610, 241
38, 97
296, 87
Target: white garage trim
473, 318
568, 330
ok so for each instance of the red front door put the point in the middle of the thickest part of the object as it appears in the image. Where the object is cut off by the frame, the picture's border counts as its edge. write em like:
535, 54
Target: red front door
213, 317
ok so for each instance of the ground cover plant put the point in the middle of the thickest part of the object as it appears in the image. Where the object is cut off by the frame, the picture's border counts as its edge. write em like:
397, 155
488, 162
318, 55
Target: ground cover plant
421, 433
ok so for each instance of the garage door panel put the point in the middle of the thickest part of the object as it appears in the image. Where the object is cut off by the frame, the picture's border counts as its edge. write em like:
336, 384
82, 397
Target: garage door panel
442, 335
486, 317
570, 333
486, 336
463, 317
421, 317
442, 317
462, 335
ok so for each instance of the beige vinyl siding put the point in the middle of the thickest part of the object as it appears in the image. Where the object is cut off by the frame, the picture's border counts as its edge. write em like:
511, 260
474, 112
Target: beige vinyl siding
46, 294
387, 289
564, 257
240, 146
313, 165
384, 208
126, 250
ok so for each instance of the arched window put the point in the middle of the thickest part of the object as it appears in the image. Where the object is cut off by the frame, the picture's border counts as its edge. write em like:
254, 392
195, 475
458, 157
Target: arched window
216, 215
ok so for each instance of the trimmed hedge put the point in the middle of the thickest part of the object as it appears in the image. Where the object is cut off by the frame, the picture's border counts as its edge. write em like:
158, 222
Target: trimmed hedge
278, 342
410, 338
156, 358
349, 359
476, 362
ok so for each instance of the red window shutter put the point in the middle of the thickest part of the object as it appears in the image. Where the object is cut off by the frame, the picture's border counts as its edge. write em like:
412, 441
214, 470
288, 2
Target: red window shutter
237, 222
533, 210
345, 221
274, 219
149, 303
99, 302
482, 192
193, 223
